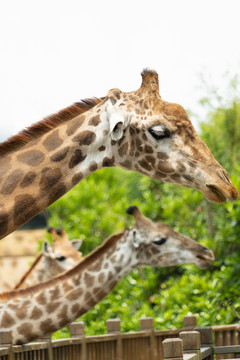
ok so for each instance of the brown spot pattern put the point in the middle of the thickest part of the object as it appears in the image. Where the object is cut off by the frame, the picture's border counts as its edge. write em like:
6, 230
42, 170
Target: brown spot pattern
86, 137
11, 182
95, 120
117, 268
101, 277
150, 159
144, 164
56, 192
62, 315
7, 320
31, 157
49, 178
76, 159
159, 175
55, 293
41, 298
36, 313
25, 329
67, 287
76, 178
52, 141
89, 279
60, 155
28, 179
75, 125
123, 149
175, 177
52, 306
108, 162
75, 294
139, 145
162, 155
21, 313
126, 164
75, 308
148, 149
25, 208
47, 326
165, 167
93, 166
102, 148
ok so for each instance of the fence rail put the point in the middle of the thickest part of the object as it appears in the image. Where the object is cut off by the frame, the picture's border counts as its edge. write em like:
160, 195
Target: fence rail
146, 344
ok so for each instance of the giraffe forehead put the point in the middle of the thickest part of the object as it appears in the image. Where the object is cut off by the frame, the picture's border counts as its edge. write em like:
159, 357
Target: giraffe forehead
148, 111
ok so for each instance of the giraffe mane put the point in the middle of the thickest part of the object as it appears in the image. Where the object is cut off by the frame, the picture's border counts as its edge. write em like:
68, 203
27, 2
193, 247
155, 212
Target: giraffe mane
48, 123
5, 296
36, 261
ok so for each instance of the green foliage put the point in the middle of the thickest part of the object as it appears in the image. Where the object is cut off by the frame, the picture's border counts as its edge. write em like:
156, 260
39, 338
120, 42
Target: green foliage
95, 209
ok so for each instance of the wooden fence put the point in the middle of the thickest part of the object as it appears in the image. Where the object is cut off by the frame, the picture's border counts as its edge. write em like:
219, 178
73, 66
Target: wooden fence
146, 344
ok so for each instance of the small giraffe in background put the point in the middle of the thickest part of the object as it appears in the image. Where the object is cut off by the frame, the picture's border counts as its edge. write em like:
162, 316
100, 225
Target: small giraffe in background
135, 130
40, 310
54, 259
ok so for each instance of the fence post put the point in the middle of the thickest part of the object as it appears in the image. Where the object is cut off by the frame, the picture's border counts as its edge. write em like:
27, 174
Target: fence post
191, 342
172, 349
189, 322
6, 341
206, 335
77, 331
146, 324
114, 327
47, 340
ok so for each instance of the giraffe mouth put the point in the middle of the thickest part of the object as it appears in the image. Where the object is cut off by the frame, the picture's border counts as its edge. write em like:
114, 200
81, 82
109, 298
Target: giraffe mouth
206, 259
220, 197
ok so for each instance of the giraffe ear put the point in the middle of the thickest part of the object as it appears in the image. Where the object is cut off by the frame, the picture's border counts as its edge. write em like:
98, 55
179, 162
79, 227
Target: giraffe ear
116, 122
76, 244
46, 248
137, 238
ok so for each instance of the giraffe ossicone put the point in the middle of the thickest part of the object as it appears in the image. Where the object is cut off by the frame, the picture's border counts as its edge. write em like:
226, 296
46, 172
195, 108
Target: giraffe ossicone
40, 310
134, 130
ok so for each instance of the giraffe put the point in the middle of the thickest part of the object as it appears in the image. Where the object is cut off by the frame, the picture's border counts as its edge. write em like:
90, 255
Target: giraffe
54, 259
134, 130
40, 310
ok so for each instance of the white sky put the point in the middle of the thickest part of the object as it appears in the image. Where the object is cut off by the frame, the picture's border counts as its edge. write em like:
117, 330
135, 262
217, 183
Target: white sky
55, 52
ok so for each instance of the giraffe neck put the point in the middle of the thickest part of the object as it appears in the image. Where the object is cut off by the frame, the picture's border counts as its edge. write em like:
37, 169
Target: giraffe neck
43, 309
38, 173
35, 274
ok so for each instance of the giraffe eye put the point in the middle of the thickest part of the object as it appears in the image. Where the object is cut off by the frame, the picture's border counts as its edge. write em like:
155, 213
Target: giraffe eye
159, 133
160, 241
60, 258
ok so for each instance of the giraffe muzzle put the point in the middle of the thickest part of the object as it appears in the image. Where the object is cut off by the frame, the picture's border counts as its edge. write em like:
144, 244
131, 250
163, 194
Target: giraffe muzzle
205, 259
220, 194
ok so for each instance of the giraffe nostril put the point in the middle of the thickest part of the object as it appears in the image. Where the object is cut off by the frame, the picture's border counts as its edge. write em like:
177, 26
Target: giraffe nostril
224, 176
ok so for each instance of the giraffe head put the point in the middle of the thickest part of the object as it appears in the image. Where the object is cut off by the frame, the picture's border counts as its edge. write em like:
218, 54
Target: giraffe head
157, 138
157, 244
62, 255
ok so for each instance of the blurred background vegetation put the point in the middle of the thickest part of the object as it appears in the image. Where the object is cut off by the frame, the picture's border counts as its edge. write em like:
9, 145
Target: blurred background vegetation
95, 209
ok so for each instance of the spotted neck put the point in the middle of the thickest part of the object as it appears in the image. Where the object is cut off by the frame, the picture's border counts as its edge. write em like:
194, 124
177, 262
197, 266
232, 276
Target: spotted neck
37, 174
45, 308
34, 275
